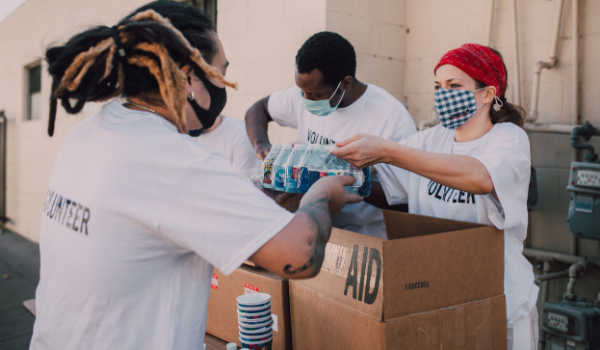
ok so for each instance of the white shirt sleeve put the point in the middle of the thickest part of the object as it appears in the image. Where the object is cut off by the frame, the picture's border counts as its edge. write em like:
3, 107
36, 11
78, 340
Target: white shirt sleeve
507, 159
285, 106
239, 147
219, 214
244, 158
404, 127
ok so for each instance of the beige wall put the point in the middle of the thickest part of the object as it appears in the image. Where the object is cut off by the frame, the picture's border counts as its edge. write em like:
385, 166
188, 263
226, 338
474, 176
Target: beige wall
24, 37
261, 38
377, 29
437, 26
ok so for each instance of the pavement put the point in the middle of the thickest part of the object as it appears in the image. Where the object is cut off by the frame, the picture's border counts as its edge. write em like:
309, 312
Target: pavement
19, 276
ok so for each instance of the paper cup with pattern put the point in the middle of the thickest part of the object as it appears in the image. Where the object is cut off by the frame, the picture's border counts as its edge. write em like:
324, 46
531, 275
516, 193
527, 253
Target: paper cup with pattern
253, 299
258, 331
261, 345
254, 308
254, 316
250, 329
259, 324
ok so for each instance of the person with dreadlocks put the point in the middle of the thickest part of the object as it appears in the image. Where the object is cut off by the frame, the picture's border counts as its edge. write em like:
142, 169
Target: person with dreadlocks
137, 212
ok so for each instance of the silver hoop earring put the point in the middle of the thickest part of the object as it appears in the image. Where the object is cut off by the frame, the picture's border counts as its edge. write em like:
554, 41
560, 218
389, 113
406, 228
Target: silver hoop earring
191, 96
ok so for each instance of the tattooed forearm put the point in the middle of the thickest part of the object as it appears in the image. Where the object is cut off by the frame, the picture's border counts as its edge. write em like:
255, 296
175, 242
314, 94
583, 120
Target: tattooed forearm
317, 214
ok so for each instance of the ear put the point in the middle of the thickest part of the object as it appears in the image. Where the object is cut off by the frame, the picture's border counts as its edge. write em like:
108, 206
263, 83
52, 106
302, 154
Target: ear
346, 83
490, 92
187, 70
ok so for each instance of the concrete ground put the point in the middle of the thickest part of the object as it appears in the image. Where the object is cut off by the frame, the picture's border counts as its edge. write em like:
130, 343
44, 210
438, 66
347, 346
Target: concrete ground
19, 276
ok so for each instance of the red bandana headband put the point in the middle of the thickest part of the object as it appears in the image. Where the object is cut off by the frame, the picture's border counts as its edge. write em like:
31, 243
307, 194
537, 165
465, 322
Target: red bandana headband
480, 63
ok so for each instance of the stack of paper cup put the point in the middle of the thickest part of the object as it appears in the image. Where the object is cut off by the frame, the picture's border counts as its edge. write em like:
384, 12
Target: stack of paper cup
255, 321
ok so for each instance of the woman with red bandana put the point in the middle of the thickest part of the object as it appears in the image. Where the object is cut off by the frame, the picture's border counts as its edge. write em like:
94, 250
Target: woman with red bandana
474, 166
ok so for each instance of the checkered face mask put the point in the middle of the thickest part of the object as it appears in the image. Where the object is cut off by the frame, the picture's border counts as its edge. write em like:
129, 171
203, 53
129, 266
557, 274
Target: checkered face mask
455, 107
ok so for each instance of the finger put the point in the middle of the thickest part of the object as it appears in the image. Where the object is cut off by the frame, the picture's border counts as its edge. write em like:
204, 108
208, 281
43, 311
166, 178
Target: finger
350, 140
347, 180
343, 152
353, 198
283, 197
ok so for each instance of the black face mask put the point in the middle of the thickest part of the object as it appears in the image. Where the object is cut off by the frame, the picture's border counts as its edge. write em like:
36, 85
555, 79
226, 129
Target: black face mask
218, 98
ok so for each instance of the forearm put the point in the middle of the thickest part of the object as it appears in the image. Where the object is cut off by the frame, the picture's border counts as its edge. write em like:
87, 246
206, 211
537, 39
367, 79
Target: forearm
314, 212
298, 250
460, 172
257, 123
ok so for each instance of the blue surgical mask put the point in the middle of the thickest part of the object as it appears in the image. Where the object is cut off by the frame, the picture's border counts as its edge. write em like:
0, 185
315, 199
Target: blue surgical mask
455, 107
322, 107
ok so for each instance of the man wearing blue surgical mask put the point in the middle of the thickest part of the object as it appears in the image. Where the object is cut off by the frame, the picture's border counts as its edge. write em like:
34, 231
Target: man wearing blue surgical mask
328, 104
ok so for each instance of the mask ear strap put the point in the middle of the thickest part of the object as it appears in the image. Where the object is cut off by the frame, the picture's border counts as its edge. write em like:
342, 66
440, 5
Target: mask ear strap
497, 103
336, 89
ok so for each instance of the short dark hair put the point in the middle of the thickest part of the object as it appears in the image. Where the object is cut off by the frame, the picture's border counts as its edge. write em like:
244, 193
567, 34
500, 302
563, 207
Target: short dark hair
331, 54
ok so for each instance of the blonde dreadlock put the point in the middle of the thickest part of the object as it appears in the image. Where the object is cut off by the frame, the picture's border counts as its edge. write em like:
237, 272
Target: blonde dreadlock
150, 41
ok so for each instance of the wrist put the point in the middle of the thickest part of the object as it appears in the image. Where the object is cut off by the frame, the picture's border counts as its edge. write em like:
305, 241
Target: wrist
315, 193
261, 143
389, 151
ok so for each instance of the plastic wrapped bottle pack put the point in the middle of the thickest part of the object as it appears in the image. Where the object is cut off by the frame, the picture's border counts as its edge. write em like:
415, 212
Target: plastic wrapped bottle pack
297, 168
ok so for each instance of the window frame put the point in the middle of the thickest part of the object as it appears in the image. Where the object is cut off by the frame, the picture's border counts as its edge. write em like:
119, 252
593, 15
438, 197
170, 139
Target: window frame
30, 114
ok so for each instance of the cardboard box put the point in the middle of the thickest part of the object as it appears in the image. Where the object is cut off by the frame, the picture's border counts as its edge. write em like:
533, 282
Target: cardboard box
426, 264
222, 319
319, 322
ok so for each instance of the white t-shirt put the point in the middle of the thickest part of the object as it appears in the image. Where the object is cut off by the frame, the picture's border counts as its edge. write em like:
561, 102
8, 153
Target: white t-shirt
505, 153
376, 112
135, 218
231, 140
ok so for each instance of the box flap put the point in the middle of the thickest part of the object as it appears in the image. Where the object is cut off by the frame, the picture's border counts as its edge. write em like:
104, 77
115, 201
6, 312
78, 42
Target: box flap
403, 225
441, 270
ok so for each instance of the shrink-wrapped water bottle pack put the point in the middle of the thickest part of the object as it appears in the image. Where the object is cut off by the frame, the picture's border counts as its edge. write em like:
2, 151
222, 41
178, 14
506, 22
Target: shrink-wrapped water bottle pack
295, 168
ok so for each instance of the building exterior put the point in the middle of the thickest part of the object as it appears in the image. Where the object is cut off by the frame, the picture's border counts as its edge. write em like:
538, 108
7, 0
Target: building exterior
398, 43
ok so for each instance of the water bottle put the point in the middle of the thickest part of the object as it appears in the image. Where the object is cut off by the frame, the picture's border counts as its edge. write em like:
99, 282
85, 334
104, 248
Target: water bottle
359, 176
268, 176
312, 167
338, 167
291, 168
279, 167
333, 165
